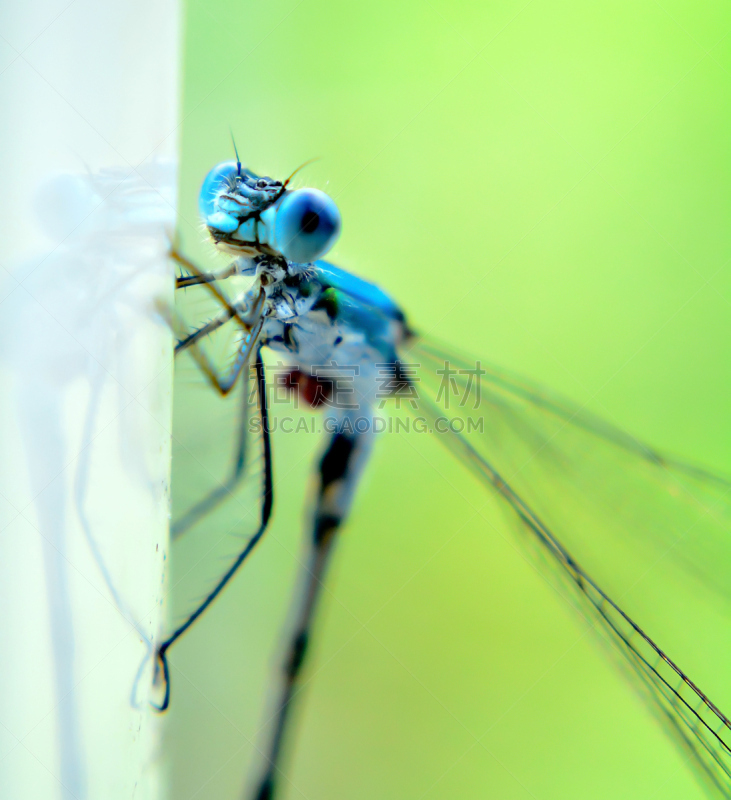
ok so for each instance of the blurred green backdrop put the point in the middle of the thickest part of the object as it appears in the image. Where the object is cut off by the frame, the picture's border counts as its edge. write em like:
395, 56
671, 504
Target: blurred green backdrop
546, 185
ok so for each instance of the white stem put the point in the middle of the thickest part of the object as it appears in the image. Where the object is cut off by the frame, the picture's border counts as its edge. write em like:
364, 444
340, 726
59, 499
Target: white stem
86, 211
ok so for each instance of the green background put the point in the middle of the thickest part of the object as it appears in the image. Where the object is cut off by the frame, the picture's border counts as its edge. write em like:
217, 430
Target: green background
546, 185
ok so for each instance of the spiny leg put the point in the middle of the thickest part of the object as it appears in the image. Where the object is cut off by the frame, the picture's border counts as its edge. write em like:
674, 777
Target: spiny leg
223, 383
197, 277
204, 330
247, 313
162, 670
209, 282
338, 474
250, 320
184, 281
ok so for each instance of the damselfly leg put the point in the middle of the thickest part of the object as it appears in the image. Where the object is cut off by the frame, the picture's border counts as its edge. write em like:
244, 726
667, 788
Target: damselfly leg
195, 276
250, 321
223, 382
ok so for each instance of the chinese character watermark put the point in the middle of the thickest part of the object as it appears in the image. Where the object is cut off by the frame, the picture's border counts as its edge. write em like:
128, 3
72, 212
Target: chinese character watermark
449, 384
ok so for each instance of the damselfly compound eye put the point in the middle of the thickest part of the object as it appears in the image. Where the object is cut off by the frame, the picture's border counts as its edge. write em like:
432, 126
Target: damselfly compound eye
307, 225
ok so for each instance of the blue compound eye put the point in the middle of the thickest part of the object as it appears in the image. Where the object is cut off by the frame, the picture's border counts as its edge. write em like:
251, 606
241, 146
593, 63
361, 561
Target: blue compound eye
217, 179
307, 225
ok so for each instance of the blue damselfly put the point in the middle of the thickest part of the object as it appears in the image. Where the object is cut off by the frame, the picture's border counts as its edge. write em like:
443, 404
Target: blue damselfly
575, 488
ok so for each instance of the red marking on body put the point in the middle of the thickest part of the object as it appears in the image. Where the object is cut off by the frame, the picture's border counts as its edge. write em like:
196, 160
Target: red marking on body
314, 391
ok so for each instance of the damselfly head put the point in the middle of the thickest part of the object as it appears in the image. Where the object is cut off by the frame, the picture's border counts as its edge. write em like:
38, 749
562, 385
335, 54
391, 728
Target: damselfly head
231, 193
253, 215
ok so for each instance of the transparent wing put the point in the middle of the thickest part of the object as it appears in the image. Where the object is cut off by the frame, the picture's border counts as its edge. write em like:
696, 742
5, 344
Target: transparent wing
219, 472
640, 543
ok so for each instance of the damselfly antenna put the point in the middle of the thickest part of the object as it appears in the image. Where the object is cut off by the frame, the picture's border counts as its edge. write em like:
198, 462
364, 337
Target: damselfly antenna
238, 160
301, 166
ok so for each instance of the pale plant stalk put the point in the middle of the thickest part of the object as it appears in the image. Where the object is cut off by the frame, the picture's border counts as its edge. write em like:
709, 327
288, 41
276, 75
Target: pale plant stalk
86, 213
